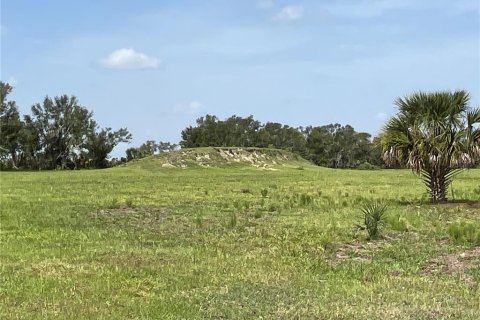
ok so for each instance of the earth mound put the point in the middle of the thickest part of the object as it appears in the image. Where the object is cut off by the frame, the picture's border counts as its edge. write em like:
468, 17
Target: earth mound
266, 159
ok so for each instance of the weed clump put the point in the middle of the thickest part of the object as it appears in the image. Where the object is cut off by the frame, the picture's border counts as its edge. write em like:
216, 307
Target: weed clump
129, 202
232, 223
464, 232
264, 193
306, 199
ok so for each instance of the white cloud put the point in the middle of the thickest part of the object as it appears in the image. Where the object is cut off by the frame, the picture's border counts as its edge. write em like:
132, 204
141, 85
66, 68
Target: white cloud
128, 58
191, 108
290, 13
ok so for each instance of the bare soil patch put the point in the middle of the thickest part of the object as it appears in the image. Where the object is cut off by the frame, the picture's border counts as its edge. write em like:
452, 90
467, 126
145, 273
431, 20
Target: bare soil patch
455, 263
361, 251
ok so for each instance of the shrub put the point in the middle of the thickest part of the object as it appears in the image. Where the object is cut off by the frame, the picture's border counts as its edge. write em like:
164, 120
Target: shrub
264, 193
373, 217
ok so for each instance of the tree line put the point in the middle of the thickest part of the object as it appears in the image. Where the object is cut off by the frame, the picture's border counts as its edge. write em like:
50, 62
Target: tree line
330, 145
59, 133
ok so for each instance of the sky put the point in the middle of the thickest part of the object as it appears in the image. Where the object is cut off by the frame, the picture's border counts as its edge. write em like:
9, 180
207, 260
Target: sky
156, 66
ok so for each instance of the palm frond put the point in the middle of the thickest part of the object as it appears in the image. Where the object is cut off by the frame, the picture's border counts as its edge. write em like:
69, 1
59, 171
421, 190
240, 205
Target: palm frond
473, 117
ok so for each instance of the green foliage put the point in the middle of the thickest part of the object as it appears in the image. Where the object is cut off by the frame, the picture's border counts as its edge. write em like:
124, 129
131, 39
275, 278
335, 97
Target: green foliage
10, 127
435, 134
99, 144
339, 146
465, 232
59, 134
264, 192
397, 222
332, 145
373, 218
149, 148
306, 199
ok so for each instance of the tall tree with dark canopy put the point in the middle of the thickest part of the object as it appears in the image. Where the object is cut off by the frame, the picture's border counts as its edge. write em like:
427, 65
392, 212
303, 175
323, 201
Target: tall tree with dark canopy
30, 143
10, 125
338, 146
436, 135
64, 125
99, 144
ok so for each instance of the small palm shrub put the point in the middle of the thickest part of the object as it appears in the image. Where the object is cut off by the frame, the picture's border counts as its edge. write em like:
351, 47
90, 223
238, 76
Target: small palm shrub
373, 218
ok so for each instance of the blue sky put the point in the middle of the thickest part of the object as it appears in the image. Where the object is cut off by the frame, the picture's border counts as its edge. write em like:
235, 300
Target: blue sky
155, 66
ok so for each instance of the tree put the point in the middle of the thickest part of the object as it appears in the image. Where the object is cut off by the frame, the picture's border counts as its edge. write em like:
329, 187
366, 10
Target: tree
338, 146
10, 125
149, 148
62, 133
132, 154
276, 135
30, 143
63, 127
59, 133
99, 144
436, 135
163, 146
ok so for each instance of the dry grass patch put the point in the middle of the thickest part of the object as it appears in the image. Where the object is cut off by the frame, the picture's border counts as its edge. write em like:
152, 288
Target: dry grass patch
455, 264
56, 268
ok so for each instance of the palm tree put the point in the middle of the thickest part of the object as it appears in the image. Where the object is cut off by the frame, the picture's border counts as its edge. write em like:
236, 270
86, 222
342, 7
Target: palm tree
436, 135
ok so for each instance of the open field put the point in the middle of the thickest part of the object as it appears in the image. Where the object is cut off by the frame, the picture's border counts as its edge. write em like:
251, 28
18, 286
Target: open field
240, 242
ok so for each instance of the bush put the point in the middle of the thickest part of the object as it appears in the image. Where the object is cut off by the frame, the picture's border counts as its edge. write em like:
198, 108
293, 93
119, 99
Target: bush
264, 193
373, 217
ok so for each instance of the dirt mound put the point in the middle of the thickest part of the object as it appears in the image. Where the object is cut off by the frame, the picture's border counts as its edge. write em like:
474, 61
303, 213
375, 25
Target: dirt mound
264, 159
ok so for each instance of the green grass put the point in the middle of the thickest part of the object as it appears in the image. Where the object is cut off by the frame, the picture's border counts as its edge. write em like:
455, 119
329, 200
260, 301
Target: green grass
145, 242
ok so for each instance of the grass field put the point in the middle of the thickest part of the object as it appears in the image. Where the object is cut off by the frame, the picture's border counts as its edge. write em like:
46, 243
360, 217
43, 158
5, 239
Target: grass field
145, 242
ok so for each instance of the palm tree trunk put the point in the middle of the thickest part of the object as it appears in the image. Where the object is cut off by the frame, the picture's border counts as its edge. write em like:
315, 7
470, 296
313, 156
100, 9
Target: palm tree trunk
437, 186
